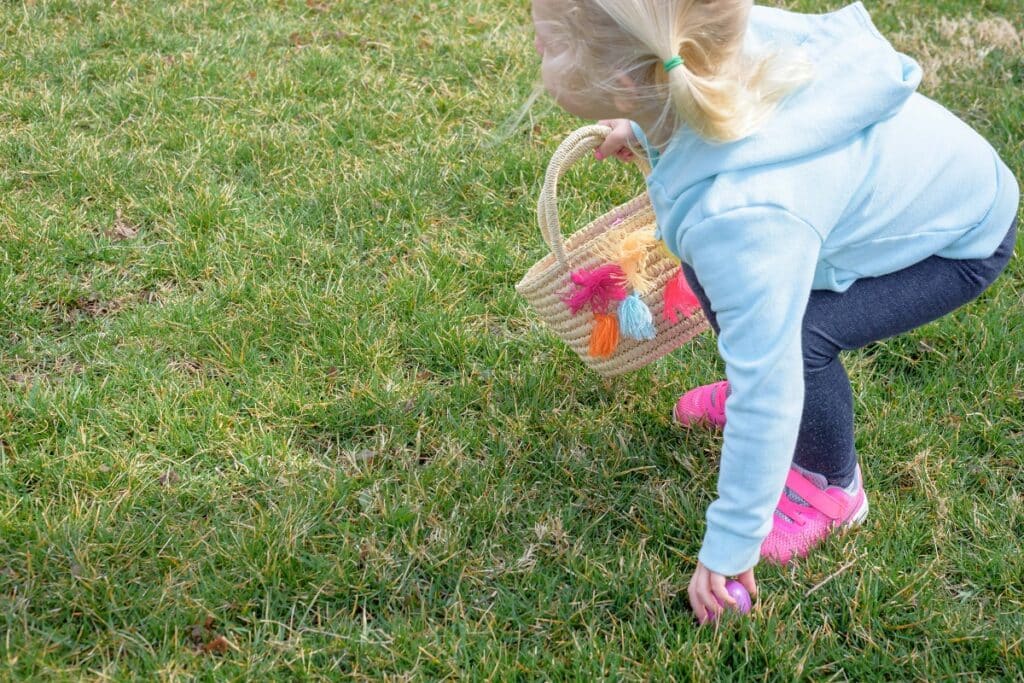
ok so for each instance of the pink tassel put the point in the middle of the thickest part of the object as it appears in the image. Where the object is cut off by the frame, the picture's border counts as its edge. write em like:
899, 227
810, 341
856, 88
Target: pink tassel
679, 298
597, 288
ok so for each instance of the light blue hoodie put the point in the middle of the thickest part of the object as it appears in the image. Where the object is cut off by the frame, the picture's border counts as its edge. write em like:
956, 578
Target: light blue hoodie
856, 175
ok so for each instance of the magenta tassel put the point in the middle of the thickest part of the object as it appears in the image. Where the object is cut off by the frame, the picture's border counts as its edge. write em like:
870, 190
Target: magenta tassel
597, 288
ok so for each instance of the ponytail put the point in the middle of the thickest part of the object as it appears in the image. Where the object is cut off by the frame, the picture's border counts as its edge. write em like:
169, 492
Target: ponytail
729, 107
718, 91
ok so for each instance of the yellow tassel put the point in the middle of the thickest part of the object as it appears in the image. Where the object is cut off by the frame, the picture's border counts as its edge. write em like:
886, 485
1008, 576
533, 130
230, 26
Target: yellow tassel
634, 252
605, 336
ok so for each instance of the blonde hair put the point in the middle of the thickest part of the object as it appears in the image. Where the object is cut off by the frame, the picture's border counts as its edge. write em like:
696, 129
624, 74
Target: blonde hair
719, 91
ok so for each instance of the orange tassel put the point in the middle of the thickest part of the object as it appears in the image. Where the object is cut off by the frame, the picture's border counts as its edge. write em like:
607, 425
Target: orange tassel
605, 336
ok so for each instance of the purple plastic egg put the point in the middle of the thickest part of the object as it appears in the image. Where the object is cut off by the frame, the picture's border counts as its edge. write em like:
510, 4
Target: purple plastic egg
739, 594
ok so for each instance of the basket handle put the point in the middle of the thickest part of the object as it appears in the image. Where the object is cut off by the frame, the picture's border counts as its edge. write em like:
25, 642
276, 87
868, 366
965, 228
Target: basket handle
578, 144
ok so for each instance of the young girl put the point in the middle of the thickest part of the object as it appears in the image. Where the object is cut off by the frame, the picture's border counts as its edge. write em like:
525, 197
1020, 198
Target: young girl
817, 202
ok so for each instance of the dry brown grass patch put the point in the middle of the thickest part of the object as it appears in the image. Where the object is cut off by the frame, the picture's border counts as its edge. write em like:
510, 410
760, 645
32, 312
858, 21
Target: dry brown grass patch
949, 48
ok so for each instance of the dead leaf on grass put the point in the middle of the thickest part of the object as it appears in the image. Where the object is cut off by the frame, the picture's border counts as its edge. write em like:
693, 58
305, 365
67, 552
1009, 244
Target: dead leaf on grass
93, 307
301, 40
122, 229
205, 640
189, 366
20, 378
217, 646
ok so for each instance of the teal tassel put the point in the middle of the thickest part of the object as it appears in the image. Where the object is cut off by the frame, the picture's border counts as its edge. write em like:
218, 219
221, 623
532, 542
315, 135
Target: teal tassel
635, 319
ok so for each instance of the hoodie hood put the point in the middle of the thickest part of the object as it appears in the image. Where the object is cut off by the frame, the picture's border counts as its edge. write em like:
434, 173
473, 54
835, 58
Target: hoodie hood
859, 80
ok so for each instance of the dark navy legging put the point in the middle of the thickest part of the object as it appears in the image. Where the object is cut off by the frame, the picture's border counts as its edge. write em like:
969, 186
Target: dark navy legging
871, 309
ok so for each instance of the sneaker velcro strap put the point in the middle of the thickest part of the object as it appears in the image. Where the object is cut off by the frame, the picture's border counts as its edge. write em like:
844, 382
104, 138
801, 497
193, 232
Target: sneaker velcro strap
815, 497
792, 509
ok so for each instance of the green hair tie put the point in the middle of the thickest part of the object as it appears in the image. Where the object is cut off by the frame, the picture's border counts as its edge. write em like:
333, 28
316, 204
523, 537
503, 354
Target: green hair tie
673, 63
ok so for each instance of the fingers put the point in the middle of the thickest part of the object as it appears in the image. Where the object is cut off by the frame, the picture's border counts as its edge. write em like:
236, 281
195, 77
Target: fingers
748, 582
709, 596
619, 141
717, 583
612, 146
702, 595
701, 609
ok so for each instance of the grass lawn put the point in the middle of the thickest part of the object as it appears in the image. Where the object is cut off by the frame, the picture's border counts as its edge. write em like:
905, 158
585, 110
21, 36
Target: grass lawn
270, 407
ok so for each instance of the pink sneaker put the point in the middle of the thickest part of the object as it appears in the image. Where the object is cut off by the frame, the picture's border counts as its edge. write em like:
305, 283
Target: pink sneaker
702, 406
809, 511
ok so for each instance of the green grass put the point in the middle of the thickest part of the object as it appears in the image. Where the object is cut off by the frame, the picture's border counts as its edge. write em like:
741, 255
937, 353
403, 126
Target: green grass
263, 375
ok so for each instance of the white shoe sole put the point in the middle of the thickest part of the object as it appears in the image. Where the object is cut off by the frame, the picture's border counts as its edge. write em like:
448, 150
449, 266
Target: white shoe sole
860, 515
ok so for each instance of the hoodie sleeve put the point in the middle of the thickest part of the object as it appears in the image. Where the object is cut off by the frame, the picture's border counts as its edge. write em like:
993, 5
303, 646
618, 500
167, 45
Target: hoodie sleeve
756, 266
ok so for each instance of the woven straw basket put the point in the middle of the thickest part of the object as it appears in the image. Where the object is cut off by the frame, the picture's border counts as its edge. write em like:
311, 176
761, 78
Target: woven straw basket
548, 282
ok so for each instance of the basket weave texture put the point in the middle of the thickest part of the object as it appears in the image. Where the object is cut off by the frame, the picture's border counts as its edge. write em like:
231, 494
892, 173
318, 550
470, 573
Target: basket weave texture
548, 282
